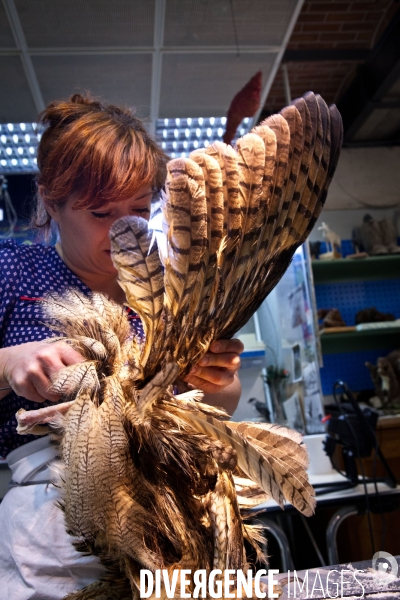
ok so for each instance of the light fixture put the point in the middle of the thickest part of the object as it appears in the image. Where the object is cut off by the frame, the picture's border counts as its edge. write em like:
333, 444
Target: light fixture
180, 135
177, 136
18, 148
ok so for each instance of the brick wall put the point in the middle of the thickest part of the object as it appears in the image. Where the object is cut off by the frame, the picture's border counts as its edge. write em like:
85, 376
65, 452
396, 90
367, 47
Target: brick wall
330, 24
341, 24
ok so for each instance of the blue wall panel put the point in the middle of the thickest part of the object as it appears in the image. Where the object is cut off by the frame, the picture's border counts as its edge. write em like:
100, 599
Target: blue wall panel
349, 298
350, 368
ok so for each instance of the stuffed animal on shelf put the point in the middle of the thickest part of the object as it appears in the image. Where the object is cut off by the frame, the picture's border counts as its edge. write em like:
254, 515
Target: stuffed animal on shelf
331, 317
332, 239
385, 376
373, 315
378, 237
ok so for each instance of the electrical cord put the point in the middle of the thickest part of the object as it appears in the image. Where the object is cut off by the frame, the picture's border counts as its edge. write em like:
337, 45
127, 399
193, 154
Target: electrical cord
367, 503
382, 514
390, 480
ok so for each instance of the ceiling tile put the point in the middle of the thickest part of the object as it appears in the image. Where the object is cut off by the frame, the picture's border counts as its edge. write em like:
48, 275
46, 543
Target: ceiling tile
16, 103
212, 22
69, 23
196, 85
6, 36
122, 79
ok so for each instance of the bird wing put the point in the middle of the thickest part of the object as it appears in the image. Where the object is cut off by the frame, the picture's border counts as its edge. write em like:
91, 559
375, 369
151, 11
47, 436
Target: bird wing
234, 218
271, 458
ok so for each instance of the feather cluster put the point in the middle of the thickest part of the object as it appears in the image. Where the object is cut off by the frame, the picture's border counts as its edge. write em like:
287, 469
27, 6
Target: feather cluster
148, 477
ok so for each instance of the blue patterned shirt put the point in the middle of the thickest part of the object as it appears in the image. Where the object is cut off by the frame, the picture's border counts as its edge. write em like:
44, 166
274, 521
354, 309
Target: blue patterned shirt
26, 274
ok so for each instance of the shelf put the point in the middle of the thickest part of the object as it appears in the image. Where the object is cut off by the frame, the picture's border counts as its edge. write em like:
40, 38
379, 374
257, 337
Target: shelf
353, 341
362, 269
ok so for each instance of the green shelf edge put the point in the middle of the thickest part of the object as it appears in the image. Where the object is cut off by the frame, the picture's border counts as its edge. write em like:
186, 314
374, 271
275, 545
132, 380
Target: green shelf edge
356, 341
362, 269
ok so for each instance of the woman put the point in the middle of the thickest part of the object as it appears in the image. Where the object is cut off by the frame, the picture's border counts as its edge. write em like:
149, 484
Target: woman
96, 164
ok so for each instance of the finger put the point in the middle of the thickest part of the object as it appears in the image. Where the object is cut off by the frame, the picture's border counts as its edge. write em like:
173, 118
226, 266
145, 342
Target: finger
224, 346
215, 375
41, 382
227, 360
62, 353
205, 386
51, 362
69, 355
29, 392
43, 388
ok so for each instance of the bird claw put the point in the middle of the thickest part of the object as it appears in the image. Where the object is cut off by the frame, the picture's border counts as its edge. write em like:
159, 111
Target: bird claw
38, 422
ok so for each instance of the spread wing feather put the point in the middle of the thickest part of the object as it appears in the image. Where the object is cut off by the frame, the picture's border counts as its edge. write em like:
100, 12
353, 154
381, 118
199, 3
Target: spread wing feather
207, 285
271, 188
140, 276
251, 162
296, 149
278, 476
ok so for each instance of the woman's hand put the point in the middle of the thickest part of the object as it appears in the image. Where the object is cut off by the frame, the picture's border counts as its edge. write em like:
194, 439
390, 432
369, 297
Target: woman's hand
28, 368
217, 369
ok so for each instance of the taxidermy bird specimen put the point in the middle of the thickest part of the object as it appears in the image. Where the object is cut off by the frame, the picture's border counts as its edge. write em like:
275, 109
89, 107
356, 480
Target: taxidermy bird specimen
148, 476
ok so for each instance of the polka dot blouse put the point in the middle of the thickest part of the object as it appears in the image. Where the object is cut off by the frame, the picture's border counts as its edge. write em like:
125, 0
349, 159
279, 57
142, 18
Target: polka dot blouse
26, 274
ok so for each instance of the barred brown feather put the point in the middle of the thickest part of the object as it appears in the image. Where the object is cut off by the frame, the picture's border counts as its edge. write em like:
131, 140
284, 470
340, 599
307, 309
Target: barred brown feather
147, 476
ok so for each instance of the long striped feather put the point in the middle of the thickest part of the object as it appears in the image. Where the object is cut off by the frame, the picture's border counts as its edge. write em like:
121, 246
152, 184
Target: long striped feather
259, 465
139, 275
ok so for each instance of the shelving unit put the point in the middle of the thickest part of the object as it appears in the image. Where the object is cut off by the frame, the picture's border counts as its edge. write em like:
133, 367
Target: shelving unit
355, 341
341, 270
351, 285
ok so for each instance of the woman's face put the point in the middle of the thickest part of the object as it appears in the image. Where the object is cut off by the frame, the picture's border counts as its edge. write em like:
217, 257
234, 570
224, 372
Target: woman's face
84, 233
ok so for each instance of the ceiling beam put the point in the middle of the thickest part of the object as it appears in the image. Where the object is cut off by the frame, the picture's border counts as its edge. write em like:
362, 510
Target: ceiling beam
277, 61
103, 50
156, 70
22, 46
327, 54
373, 80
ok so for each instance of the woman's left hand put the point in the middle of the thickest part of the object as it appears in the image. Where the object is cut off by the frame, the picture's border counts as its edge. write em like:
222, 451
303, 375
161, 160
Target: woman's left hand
216, 370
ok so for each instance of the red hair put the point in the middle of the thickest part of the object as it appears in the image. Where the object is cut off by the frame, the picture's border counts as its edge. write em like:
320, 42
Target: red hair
98, 153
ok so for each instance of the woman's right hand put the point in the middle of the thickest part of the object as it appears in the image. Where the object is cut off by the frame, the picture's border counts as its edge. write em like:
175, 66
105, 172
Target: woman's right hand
28, 368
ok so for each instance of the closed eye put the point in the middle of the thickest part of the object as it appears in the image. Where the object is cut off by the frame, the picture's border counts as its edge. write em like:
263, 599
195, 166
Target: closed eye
98, 215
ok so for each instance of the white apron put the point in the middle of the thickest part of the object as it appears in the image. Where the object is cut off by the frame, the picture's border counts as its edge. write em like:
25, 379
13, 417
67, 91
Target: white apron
37, 558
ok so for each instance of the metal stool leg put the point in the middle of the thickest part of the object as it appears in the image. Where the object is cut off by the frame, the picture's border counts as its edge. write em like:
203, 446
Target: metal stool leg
332, 529
280, 536
313, 541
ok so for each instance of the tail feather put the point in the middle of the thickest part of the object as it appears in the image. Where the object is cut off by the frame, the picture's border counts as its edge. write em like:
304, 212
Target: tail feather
273, 474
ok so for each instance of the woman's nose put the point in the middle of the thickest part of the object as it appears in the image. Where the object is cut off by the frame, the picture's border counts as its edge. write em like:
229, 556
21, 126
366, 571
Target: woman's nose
122, 212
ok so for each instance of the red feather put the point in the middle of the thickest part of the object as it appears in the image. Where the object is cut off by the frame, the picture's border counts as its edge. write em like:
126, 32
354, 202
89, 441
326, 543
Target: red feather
244, 104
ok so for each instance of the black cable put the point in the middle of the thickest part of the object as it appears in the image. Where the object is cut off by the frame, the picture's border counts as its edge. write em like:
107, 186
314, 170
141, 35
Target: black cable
367, 504
378, 497
337, 468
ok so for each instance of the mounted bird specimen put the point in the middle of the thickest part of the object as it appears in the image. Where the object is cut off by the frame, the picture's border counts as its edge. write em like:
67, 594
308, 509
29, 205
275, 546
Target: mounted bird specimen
148, 477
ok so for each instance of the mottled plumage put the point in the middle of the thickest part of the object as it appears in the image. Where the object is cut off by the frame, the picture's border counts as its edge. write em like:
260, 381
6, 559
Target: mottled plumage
148, 477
